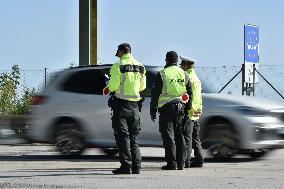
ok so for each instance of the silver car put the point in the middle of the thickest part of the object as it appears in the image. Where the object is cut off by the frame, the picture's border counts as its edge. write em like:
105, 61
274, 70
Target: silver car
72, 113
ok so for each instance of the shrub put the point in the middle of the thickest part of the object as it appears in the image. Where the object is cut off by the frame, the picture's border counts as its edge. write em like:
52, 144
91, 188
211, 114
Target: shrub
12, 101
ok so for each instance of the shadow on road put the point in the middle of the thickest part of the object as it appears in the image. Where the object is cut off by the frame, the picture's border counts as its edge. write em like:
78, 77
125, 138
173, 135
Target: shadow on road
61, 172
107, 158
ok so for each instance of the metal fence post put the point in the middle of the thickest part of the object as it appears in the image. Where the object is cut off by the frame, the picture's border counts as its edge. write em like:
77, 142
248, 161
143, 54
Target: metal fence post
45, 75
243, 79
253, 79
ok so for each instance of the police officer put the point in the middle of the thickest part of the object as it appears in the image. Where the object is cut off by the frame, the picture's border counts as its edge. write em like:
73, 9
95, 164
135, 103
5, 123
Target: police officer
127, 79
169, 86
192, 126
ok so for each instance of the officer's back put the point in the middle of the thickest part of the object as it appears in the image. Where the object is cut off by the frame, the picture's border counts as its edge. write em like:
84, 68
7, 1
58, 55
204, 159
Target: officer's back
126, 81
169, 86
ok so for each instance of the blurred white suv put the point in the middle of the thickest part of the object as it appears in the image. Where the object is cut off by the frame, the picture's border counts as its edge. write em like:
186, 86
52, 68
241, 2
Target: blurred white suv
72, 113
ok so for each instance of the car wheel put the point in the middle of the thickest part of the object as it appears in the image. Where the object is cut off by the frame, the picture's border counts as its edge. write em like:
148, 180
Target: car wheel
258, 153
110, 151
69, 140
221, 141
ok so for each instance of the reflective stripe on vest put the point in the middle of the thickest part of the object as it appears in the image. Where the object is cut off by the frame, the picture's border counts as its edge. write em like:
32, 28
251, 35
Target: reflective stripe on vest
196, 94
165, 86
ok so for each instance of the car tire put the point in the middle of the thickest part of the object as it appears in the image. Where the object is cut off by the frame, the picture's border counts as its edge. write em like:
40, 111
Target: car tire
258, 154
69, 139
221, 141
110, 151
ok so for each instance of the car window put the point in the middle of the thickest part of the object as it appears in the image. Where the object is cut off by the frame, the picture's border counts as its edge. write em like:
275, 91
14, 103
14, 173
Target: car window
86, 81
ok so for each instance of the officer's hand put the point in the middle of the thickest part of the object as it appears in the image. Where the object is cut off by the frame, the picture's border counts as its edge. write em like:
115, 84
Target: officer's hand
153, 112
197, 113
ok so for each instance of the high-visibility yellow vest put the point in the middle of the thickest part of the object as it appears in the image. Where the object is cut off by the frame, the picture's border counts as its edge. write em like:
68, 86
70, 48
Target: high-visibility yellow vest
127, 78
174, 84
196, 94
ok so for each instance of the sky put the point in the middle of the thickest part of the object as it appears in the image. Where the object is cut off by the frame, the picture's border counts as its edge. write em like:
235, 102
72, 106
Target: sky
44, 33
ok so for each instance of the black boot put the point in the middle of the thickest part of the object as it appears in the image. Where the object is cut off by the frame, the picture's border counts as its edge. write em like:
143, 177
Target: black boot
180, 166
196, 164
121, 171
136, 169
187, 164
169, 167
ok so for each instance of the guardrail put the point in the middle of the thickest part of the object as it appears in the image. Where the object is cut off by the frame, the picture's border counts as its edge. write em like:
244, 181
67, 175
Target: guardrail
12, 129
13, 122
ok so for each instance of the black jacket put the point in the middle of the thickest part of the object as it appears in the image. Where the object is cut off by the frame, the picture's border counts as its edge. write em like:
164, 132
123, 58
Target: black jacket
157, 90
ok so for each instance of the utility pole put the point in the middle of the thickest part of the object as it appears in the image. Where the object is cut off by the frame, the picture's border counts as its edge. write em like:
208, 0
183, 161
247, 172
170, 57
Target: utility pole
94, 32
88, 32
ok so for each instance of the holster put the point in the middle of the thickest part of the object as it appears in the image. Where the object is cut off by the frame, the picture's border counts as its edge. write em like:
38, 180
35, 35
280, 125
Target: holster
180, 108
176, 108
112, 102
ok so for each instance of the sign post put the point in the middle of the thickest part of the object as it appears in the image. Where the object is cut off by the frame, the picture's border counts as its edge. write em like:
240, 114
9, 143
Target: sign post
251, 58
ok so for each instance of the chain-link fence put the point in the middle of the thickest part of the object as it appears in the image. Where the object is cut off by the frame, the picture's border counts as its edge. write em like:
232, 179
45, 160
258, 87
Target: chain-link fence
218, 77
36, 79
213, 77
33, 79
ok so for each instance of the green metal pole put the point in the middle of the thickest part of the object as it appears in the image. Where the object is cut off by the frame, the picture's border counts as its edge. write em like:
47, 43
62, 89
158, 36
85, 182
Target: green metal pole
93, 32
84, 40
87, 32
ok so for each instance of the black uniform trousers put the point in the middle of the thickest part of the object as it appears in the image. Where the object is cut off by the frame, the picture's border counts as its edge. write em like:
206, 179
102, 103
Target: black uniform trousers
126, 126
192, 140
170, 127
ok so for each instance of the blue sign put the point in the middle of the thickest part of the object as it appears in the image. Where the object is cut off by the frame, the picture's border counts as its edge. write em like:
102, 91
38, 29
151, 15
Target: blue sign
251, 43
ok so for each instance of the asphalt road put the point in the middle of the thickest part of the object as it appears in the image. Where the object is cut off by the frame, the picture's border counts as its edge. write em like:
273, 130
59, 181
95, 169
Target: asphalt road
42, 167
